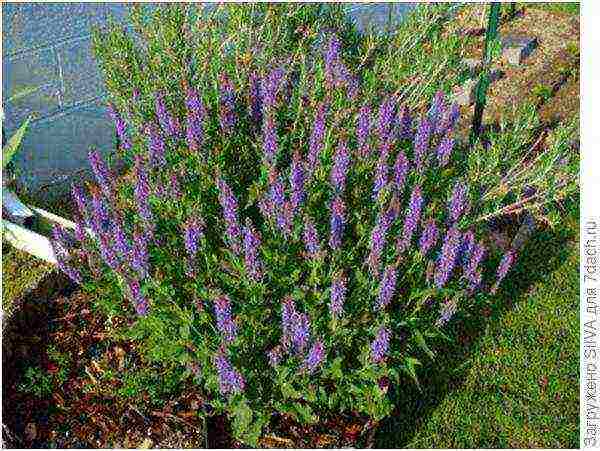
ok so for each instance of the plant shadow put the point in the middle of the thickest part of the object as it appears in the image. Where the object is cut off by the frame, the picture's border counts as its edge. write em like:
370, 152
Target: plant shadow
543, 254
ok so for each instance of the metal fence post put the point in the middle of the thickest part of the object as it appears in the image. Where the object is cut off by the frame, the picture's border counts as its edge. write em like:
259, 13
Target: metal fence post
484, 78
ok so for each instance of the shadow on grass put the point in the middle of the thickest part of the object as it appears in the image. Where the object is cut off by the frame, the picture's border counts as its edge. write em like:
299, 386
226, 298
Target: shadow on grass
543, 254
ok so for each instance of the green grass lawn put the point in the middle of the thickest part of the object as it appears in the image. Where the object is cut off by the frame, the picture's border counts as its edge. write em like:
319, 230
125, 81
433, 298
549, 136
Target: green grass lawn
513, 379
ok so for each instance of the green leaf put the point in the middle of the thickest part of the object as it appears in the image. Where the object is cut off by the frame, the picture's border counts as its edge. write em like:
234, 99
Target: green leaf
21, 92
411, 364
305, 413
13, 143
421, 343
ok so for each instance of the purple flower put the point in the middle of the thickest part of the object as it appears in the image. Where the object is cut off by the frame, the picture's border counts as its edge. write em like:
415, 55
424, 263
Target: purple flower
401, 167
269, 139
140, 258
311, 238
363, 128
141, 191
437, 111
412, 217
428, 237
175, 193
107, 252
167, 121
421, 144
251, 247
448, 311
122, 245
337, 222
59, 243
444, 150
505, 264
405, 131
301, 332
458, 201
316, 138
271, 87
297, 178
225, 323
139, 300
332, 59
450, 120
315, 356
255, 98
120, 126
230, 380
379, 347
275, 355
230, 215
288, 312
386, 287
99, 220
338, 295
193, 231
386, 119
382, 170
101, 172
79, 197
226, 105
447, 259
156, 146
196, 115
339, 171
378, 237
477, 255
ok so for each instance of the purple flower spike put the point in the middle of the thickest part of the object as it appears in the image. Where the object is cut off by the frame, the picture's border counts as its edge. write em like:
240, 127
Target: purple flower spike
338, 220
255, 98
332, 60
288, 313
311, 239
429, 237
413, 216
386, 119
450, 120
230, 380
378, 238
458, 201
139, 300
80, 199
230, 215
387, 287
316, 138
193, 231
167, 121
421, 145
448, 256
120, 126
315, 356
120, 239
505, 264
401, 167
99, 220
196, 115
101, 172
59, 243
382, 171
156, 146
251, 248
381, 344
471, 268
140, 258
225, 323
301, 333
227, 105
438, 111
338, 296
141, 191
271, 88
297, 178
406, 124
339, 171
363, 128
107, 253
444, 150
269, 140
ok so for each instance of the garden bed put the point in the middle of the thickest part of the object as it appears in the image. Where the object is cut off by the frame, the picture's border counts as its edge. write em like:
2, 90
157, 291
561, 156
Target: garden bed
61, 364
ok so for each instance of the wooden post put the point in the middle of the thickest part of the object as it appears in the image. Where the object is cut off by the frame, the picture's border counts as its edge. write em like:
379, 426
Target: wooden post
484, 78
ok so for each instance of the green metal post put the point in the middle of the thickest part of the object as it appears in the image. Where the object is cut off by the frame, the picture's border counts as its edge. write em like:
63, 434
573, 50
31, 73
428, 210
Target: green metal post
484, 78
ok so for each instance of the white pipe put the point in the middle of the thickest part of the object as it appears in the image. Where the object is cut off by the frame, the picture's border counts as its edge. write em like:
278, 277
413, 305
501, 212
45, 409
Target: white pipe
27, 241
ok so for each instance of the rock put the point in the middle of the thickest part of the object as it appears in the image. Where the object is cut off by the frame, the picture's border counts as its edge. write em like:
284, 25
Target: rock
516, 48
465, 95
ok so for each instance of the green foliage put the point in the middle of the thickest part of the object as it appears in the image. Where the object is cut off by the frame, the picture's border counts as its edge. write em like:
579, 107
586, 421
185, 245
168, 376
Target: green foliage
542, 92
180, 48
36, 382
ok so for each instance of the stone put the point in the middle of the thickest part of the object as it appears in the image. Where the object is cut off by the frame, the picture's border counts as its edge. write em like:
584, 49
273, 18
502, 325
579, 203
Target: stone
516, 48
465, 95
